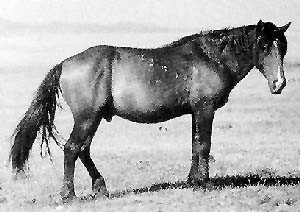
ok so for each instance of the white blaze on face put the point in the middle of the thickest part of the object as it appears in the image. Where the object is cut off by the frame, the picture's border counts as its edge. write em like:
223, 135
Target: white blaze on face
280, 73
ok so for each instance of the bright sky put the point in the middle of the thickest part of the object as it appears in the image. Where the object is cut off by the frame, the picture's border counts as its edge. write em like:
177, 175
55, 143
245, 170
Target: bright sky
171, 13
189, 14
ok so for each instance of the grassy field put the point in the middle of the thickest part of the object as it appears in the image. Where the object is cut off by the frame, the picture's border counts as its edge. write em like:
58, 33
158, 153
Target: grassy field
254, 158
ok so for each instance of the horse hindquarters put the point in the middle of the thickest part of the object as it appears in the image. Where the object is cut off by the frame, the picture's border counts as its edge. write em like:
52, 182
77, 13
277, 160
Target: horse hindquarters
86, 89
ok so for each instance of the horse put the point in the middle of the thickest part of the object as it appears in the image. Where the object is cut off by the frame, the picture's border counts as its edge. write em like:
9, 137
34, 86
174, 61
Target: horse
193, 75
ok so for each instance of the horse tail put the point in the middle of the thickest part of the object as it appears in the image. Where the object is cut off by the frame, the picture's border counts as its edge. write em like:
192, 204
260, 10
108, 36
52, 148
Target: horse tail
39, 117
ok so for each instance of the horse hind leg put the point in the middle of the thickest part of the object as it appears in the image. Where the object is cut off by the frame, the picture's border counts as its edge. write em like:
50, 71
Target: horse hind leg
78, 145
98, 182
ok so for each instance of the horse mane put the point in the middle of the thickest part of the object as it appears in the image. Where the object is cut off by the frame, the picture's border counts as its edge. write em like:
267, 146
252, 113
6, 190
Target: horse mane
183, 40
238, 35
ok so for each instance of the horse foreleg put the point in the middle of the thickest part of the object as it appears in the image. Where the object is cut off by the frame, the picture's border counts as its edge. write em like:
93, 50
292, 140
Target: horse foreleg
201, 143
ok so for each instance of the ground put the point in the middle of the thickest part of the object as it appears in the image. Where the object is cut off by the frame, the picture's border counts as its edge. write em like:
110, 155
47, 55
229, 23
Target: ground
254, 162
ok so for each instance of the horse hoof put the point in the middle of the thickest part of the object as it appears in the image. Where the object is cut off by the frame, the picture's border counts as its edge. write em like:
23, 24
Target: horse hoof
209, 186
191, 181
198, 184
67, 196
99, 188
20, 175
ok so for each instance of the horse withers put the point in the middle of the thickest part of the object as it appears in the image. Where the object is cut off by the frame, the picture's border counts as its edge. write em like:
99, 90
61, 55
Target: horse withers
193, 75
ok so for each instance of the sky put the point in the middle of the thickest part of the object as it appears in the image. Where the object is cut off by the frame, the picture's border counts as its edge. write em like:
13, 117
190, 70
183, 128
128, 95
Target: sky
47, 31
168, 13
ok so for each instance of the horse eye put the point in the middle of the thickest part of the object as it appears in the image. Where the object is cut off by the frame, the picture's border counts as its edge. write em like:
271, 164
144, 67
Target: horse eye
265, 46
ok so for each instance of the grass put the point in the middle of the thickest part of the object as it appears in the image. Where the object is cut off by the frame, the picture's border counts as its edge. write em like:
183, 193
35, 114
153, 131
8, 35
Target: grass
254, 158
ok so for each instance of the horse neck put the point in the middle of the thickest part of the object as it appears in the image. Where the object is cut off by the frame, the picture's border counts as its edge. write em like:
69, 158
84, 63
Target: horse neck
233, 50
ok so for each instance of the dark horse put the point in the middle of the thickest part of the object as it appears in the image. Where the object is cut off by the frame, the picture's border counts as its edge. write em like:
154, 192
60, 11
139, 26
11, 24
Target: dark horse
193, 75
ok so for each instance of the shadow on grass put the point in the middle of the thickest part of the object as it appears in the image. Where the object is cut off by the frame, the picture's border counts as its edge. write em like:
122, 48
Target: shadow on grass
216, 182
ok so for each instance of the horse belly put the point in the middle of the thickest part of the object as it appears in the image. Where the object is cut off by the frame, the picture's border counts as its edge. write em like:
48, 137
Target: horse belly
133, 98
136, 99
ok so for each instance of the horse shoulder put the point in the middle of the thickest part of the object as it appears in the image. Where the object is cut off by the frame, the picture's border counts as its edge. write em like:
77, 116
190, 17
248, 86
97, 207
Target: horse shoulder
205, 81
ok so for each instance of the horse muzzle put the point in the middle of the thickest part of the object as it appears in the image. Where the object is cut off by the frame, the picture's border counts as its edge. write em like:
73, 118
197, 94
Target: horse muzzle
278, 86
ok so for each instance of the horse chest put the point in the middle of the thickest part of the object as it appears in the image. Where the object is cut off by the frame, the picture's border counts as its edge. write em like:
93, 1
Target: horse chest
205, 83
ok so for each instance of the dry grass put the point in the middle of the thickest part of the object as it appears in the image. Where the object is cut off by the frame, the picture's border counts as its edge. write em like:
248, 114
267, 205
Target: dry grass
255, 149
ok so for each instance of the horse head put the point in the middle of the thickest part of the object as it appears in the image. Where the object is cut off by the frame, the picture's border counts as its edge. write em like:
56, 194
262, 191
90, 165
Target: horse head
271, 47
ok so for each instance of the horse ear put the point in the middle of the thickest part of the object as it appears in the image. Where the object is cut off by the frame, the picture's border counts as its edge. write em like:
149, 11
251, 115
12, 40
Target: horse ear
260, 26
285, 27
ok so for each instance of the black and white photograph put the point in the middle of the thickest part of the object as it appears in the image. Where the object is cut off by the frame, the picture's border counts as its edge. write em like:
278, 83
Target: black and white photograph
149, 105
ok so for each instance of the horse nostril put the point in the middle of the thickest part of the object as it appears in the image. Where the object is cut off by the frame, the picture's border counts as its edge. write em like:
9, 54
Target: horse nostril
278, 85
275, 84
